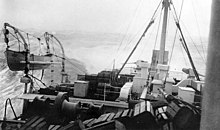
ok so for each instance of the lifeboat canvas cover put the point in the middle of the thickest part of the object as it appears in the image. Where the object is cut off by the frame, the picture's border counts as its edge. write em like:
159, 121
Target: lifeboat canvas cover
16, 61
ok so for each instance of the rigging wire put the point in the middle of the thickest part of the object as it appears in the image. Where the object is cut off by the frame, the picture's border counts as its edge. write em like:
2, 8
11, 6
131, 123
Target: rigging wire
18, 41
16, 38
185, 47
156, 33
177, 21
168, 25
183, 42
194, 44
52, 42
129, 25
181, 8
28, 33
175, 16
65, 58
129, 43
152, 19
145, 31
151, 22
184, 57
157, 8
130, 40
158, 29
145, 45
198, 29
77, 67
124, 37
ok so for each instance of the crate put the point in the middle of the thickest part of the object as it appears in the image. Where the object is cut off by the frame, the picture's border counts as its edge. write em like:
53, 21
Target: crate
187, 94
81, 88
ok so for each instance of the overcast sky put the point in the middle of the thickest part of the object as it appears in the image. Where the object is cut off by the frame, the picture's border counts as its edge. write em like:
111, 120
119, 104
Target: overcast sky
103, 16
94, 15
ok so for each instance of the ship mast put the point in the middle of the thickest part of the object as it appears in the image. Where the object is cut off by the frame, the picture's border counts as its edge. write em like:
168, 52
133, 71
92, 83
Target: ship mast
166, 5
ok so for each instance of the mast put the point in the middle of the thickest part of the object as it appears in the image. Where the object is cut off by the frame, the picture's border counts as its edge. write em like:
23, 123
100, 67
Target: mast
166, 5
211, 93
